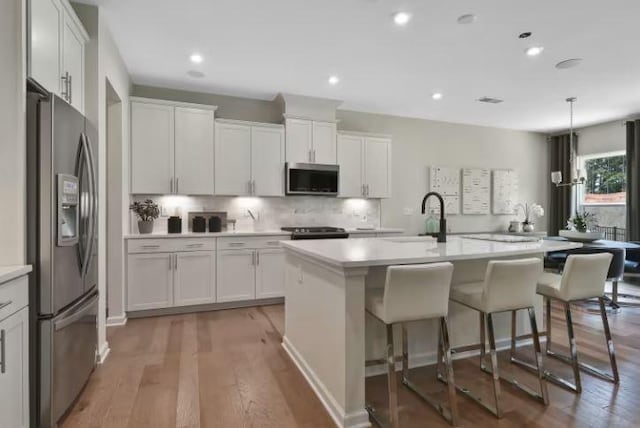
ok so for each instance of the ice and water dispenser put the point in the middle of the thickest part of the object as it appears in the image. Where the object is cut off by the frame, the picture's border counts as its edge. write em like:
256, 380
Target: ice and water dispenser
68, 210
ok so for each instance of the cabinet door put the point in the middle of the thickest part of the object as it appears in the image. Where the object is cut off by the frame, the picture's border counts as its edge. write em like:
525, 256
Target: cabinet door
73, 63
236, 275
152, 147
150, 281
233, 159
350, 150
14, 379
270, 274
324, 142
377, 167
298, 140
267, 161
195, 278
194, 151
46, 43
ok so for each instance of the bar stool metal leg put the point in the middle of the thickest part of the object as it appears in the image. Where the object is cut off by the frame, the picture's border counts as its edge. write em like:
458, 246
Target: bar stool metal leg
547, 345
483, 341
405, 352
538, 355
494, 366
572, 359
444, 353
607, 334
392, 380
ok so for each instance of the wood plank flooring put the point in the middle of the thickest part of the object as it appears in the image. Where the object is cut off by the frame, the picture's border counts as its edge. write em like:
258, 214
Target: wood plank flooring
228, 369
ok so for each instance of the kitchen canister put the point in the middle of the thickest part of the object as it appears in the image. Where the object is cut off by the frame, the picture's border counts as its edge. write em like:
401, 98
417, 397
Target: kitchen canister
215, 224
174, 224
199, 224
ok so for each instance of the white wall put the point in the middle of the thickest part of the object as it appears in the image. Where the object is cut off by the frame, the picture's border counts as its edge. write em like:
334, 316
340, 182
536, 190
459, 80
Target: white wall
12, 132
418, 144
104, 63
602, 138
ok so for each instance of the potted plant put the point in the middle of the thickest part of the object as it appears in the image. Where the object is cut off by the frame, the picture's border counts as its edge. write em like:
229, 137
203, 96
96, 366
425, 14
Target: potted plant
531, 212
146, 211
578, 228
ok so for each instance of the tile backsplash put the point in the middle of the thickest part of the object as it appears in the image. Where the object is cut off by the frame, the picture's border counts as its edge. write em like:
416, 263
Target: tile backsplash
270, 213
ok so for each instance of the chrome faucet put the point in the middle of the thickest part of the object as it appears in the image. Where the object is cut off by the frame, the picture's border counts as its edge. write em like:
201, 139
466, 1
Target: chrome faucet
442, 233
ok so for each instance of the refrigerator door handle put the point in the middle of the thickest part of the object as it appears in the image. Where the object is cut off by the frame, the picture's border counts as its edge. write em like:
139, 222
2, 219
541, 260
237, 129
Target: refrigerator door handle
77, 311
93, 203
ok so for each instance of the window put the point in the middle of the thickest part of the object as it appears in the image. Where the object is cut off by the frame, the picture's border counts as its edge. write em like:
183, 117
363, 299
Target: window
606, 179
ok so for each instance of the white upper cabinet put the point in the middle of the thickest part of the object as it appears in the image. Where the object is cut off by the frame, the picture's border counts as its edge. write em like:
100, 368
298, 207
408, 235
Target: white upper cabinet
56, 49
377, 167
233, 159
350, 149
324, 142
172, 148
365, 165
152, 148
46, 43
194, 151
267, 160
299, 134
249, 158
309, 141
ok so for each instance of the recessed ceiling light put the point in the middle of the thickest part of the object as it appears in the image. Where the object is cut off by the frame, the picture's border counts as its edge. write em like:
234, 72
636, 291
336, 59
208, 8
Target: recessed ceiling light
436, 96
196, 58
195, 73
534, 50
334, 80
569, 63
401, 18
468, 18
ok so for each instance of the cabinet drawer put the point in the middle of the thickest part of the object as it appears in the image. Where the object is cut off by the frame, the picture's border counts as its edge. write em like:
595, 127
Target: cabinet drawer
251, 242
150, 246
194, 244
14, 295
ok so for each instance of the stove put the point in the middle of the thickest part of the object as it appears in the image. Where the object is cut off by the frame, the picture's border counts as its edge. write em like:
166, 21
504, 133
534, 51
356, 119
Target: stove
316, 232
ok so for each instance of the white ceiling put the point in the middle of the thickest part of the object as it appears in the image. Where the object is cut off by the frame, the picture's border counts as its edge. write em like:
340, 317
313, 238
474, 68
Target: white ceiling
258, 48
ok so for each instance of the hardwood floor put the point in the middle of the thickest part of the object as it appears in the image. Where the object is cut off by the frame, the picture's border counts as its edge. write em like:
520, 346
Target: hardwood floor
227, 369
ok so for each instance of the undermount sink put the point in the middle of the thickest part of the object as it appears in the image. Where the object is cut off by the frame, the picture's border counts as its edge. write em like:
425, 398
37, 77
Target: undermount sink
409, 239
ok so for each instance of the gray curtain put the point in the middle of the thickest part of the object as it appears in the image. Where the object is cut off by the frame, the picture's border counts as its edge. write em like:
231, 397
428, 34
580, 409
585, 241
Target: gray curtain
560, 159
633, 180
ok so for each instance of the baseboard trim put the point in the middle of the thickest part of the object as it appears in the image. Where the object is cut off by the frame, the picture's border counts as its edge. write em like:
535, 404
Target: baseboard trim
103, 352
117, 321
359, 419
203, 308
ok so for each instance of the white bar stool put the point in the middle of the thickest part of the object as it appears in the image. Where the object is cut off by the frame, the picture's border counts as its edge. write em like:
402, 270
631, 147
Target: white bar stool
508, 286
583, 278
412, 293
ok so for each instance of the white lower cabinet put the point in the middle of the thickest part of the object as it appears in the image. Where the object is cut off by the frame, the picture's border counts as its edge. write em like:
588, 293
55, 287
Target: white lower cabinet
165, 280
236, 275
14, 370
150, 281
269, 273
194, 278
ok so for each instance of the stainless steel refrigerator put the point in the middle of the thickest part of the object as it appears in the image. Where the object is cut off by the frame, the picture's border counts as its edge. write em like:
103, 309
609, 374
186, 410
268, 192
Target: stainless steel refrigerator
62, 218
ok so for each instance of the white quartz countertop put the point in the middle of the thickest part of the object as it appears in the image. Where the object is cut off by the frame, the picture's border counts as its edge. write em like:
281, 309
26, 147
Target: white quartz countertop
7, 273
349, 253
274, 232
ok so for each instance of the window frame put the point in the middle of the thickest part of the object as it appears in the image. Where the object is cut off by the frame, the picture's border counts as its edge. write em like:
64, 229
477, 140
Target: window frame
581, 189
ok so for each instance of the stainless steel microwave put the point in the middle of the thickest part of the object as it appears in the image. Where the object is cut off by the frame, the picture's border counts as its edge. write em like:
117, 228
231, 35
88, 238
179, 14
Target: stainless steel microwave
311, 179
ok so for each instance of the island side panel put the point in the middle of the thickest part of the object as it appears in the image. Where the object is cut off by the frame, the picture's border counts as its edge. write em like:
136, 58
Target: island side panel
324, 334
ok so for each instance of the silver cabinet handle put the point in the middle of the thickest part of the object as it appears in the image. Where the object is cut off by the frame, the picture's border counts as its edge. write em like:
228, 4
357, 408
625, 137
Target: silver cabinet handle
258, 258
253, 187
273, 242
194, 245
253, 258
70, 89
171, 185
310, 156
175, 257
5, 304
151, 246
170, 262
177, 184
249, 186
363, 194
65, 82
3, 359
236, 244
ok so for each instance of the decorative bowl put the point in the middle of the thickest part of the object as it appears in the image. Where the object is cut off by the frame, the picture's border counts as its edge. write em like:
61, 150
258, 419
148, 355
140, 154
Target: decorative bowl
574, 235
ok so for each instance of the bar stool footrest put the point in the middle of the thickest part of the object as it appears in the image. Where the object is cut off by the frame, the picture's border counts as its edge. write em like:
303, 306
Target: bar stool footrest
511, 381
584, 367
444, 411
467, 393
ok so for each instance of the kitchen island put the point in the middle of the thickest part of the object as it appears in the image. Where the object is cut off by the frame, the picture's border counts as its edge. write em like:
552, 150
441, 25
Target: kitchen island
325, 323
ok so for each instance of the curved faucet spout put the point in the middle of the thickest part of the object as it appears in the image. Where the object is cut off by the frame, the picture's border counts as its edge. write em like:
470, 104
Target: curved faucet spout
442, 234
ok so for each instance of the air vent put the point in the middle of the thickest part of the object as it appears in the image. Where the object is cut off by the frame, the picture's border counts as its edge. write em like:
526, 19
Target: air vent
490, 100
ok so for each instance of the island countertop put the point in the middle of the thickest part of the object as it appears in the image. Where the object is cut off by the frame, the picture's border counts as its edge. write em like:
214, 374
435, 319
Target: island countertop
352, 253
